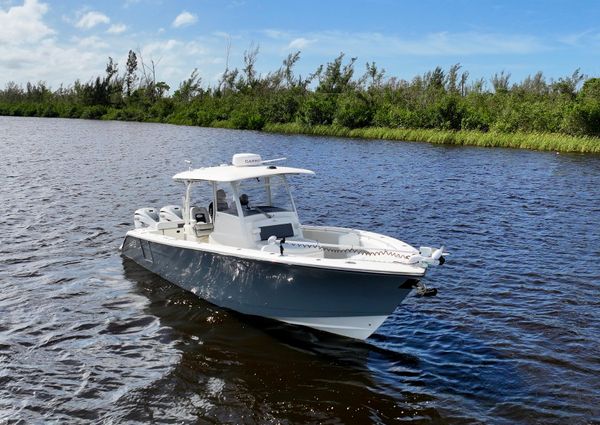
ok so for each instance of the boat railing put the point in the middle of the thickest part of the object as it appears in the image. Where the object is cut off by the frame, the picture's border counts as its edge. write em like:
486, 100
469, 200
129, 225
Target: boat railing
351, 249
425, 256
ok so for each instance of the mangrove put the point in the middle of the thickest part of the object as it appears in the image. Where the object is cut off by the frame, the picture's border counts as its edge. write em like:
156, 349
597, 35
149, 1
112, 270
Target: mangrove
440, 106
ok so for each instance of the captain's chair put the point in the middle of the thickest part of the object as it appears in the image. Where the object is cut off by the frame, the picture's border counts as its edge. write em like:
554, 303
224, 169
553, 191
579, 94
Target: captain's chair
244, 200
201, 221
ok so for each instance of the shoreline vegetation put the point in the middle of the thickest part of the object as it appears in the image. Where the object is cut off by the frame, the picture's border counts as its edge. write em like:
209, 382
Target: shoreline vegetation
519, 140
440, 106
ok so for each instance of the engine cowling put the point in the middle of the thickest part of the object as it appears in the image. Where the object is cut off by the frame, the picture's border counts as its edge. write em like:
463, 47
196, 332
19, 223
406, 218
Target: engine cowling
145, 217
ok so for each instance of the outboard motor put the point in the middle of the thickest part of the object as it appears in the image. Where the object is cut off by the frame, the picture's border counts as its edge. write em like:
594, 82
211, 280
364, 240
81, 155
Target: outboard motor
145, 217
171, 213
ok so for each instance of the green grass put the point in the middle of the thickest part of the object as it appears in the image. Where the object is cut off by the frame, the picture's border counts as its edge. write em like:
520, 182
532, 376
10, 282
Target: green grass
534, 141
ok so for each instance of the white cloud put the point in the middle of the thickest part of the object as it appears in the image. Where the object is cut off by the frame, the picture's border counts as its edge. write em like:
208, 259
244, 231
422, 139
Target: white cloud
91, 19
24, 24
51, 62
184, 19
32, 51
300, 43
159, 48
585, 39
471, 43
369, 44
117, 29
93, 42
130, 3
276, 34
222, 34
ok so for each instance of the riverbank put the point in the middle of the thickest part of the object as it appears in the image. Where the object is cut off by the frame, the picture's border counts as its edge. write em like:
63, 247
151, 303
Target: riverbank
558, 115
557, 142
533, 141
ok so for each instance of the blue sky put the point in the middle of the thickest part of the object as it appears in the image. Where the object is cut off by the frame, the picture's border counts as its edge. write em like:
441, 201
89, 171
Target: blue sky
60, 41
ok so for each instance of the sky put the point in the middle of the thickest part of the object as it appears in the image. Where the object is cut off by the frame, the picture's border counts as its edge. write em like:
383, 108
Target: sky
59, 42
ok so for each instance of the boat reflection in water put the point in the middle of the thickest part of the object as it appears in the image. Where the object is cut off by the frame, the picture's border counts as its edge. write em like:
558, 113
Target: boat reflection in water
243, 369
240, 245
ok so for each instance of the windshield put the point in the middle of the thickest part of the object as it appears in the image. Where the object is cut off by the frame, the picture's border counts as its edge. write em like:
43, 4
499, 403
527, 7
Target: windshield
265, 195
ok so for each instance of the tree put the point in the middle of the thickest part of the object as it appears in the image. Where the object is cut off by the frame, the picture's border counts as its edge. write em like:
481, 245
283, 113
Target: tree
336, 78
12, 92
373, 75
288, 73
500, 82
463, 83
111, 69
113, 85
228, 79
353, 110
535, 85
189, 88
585, 116
434, 80
131, 68
38, 92
590, 91
452, 79
568, 85
250, 79
160, 89
318, 109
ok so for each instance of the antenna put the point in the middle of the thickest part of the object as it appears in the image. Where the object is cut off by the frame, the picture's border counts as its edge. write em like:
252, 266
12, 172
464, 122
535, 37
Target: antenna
266, 161
189, 163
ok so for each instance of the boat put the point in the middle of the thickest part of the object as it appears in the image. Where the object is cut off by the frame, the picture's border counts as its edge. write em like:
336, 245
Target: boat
238, 243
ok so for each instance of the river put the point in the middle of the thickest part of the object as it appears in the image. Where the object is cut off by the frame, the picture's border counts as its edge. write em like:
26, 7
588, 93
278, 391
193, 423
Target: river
87, 336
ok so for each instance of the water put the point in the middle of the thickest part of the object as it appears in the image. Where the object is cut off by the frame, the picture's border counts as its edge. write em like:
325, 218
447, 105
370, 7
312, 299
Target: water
87, 336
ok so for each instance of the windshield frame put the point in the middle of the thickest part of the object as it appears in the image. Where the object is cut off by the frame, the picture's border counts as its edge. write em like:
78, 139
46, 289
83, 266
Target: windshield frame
266, 187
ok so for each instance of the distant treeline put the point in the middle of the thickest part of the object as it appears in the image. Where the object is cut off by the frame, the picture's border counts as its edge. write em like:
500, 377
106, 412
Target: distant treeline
336, 94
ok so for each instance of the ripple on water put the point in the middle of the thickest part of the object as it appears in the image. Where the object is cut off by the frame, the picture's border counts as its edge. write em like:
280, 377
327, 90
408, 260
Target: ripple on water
512, 336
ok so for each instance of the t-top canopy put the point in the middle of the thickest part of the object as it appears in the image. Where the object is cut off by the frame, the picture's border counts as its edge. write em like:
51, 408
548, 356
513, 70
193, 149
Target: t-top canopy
230, 173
